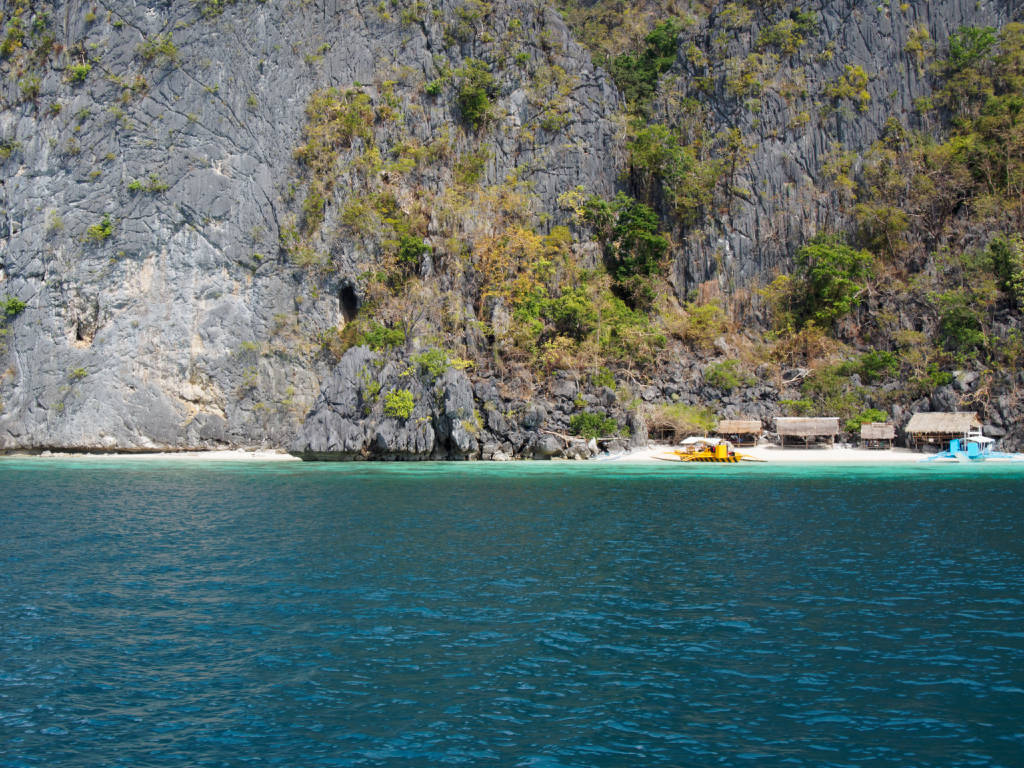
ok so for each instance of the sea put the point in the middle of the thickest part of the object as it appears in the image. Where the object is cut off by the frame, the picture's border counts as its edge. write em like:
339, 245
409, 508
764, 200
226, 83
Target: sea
550, 615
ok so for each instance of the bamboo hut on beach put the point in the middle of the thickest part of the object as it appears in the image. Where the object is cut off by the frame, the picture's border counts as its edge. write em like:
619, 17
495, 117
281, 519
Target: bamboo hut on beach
877, 434
740, 431
808, 429
939, 427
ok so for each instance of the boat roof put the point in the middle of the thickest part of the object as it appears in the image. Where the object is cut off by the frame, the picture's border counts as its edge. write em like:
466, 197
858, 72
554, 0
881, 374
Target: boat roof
706, 440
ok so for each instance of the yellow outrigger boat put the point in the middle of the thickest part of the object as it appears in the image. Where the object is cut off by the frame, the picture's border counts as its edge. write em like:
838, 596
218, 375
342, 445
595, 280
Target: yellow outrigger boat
713, 450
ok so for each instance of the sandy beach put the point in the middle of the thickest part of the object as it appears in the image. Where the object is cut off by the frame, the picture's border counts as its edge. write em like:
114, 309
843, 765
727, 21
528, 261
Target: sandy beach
771, 454
775, 454
228, 455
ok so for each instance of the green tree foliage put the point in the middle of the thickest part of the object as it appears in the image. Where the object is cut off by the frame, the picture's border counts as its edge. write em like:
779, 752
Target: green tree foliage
658, 155
592, 425
334, 119
432, 362
831, 392
633, 245
851, 86
78, 72
961, 323
379, 338
828, 282
399, 404
637, 73
477, 87
159, 49
984, 90
969, 46
411, 250
875, 365
1006, 253
867, 416
725, 375
97, 233
572, 313
789, 33
834, 278
627, 334
11, 306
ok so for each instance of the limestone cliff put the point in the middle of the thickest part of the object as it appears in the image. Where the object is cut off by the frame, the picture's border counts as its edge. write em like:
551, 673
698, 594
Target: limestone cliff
143, 203
181, 253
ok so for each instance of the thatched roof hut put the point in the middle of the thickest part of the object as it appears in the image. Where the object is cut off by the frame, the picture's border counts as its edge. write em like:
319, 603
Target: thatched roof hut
943, 423
939, 427
877, 430
739, 427
743, 431
807, 428
877, 434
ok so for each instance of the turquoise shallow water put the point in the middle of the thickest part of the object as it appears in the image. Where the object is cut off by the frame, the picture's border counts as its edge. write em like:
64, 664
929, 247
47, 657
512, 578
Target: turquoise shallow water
167, 614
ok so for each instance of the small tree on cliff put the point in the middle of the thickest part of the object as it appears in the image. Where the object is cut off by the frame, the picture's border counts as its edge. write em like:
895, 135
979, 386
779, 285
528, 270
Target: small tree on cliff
829, 280
634, 249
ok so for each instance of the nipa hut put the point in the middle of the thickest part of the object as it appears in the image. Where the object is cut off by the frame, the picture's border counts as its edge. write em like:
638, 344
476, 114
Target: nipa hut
808, 429
740, 431
877, 434
939, 427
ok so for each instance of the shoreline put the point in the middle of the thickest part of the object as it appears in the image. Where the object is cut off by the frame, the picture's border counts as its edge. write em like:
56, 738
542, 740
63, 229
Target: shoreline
777, 455
237, 454
767, 454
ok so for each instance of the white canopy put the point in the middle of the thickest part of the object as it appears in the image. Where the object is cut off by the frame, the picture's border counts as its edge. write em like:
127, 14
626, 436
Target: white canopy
704, 440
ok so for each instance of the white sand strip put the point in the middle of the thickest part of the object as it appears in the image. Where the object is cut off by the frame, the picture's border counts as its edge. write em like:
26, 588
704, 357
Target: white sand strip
774, 454
228, 455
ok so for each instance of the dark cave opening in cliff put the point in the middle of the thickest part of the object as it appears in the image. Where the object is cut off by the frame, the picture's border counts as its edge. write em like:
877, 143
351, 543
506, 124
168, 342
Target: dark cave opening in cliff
349, 301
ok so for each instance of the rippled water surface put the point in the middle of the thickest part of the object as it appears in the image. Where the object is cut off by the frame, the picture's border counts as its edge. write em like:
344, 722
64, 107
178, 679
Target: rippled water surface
171, 614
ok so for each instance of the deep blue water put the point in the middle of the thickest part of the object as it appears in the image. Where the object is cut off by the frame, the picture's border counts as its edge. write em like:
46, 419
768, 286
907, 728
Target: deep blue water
514, 615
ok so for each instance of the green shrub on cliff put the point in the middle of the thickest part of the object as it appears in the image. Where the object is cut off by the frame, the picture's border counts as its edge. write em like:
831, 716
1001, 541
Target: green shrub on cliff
97, 233
78, 72
851, 86
398, 404
836, 276
830, 280
11, 306
726, 376
1006, 253
658, 155
159, 49
637, 73
476, 89
379, 338
634, 248
868, 416
592, 425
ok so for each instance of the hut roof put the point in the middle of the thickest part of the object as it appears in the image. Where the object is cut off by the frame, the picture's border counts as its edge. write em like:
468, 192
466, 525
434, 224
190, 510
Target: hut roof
739, 427
807, 427
943, 423
877, 431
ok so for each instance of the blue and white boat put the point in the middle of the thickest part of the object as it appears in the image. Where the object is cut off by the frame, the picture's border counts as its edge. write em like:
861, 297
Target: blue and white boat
972, 448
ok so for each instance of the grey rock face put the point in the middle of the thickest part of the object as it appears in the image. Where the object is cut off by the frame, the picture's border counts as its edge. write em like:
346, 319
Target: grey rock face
534, 416
183, 325
142, 211
784, 196
547, 446
353, 417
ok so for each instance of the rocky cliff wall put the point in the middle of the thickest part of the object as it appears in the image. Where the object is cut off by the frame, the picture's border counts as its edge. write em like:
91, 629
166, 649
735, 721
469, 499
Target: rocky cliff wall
143, 202
150, 187
792, 129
